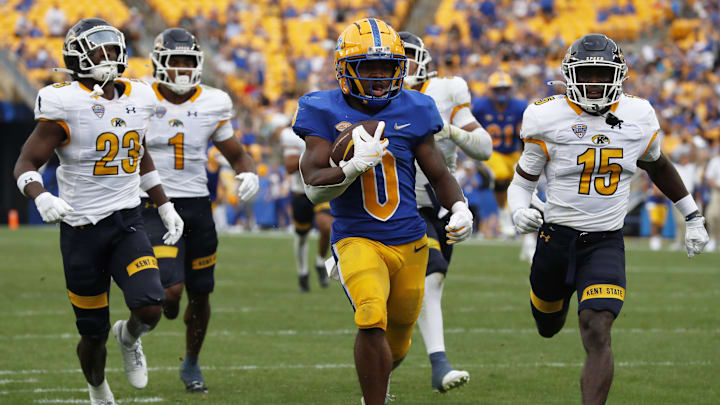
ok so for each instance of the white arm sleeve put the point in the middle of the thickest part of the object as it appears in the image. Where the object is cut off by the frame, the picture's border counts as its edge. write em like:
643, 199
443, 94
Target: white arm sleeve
223, 132
520, 193
476, 144
325, 193
463, 116
533, 158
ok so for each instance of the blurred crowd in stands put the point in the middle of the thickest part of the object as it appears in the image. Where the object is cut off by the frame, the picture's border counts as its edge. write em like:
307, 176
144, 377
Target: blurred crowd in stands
266, 53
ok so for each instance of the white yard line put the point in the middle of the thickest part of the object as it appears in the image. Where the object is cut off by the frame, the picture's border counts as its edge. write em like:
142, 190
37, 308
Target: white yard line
147, 400
25, 381
250, 367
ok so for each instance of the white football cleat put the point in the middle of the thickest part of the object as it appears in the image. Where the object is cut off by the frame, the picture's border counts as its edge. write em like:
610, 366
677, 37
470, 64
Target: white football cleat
453, 379
101, 395
133, 358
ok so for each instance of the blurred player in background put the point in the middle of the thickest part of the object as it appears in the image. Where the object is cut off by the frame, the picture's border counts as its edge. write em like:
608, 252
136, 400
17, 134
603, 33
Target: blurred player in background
501, 115
304, 211
188, 116
452, 97
96, 124
589, 143
378, 236
712, 176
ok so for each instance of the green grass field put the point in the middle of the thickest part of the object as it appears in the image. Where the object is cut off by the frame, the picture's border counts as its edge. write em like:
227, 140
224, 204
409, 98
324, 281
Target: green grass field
270, 344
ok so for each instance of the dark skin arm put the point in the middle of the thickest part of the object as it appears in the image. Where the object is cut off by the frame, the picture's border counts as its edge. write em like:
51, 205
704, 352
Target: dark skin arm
432, 163
236, 155
292, 163
156, 194
666, 178
37, 150
315, 164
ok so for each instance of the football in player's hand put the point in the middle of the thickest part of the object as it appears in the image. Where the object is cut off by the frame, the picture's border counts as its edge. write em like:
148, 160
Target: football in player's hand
342, 148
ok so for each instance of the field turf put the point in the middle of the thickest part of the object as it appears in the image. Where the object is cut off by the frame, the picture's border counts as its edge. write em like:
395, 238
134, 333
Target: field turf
270, 344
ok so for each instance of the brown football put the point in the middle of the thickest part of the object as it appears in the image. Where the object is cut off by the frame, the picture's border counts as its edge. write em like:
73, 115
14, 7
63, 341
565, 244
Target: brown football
342, 148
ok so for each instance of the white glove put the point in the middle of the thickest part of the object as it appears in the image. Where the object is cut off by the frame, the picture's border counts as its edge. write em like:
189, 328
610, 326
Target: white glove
52, 209
172, 222
527, 220
460, 225
369, 150
696, 237
249, 185
444, 132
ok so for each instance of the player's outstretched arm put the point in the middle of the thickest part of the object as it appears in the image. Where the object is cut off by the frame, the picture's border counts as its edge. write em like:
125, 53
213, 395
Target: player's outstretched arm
36, 151
666, 178
244, 166
448, 191
150, 183
472, 138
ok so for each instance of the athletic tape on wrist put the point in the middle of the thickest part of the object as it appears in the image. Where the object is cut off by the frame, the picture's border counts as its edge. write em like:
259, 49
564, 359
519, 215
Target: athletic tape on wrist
686, 205
149, 180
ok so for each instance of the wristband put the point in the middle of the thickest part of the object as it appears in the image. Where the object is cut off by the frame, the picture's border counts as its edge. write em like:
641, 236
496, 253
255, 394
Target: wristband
686, 205
694, 215
27, 178
149, 180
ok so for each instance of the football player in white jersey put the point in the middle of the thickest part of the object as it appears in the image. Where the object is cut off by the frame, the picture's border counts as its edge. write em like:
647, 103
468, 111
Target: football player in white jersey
189, 115
589, 143
304, 211
452, 97
96, 124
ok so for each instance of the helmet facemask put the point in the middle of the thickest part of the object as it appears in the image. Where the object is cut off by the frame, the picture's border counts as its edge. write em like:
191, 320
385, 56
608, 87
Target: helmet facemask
421, 57
186, 78
580, 90
348, 70
88, 43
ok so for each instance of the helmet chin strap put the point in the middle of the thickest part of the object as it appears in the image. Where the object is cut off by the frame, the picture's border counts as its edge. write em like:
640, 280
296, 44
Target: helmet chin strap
181, 85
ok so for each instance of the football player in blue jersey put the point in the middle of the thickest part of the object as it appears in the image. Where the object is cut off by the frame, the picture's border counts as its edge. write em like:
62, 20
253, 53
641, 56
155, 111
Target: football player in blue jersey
378, 237
501, 115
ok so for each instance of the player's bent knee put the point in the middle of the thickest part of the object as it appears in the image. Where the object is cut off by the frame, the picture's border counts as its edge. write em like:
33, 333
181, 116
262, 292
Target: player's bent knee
549, 323
148, 315
595, 328
92, 322
371, 314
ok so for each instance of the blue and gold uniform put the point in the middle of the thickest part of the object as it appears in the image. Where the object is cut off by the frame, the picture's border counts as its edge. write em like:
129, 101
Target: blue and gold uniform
378, 236
503, 126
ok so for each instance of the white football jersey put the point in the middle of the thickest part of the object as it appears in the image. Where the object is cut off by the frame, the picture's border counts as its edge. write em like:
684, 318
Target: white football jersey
293, 145
588, 163
99, 169
452, 97
178, 138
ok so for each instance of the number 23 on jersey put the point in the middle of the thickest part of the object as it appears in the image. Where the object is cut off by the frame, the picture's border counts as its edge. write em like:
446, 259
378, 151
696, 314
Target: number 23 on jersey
110, 143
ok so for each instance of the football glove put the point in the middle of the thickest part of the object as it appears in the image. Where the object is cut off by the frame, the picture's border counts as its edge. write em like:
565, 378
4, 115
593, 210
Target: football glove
172, 222
249, 185
527, 220
696, 237
444, 133
460, 225
52, 209
369, 150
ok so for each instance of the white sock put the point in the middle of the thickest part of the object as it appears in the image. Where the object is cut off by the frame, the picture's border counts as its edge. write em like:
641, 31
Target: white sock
319, 261
102, 391
125, 336
430, 320
301, 252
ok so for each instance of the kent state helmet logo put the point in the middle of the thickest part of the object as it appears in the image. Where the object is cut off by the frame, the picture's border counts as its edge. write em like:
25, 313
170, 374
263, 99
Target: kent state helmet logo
176, 123
579, 130
342, 125
160, 111
117, 122
99, 110
600, 139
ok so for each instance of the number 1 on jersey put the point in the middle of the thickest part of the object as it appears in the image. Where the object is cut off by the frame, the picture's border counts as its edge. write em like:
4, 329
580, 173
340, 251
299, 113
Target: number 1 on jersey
177, 141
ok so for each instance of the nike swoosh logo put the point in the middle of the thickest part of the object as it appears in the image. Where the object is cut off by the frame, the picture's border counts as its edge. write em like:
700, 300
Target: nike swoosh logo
399, 127
417, 249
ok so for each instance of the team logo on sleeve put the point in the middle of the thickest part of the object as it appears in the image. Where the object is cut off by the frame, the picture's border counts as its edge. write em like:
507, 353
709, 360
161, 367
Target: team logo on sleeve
176, 123
160, 111
117, 122
342, 125
600, 139
579, 130
99, 110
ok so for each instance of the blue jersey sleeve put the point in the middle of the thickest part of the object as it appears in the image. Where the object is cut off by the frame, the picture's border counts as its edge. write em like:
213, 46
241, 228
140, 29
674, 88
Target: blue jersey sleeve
309, 118
434, 121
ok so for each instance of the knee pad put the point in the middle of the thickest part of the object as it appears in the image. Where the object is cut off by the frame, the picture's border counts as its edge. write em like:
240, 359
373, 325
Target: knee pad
371, 314
436, 262
92, 322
